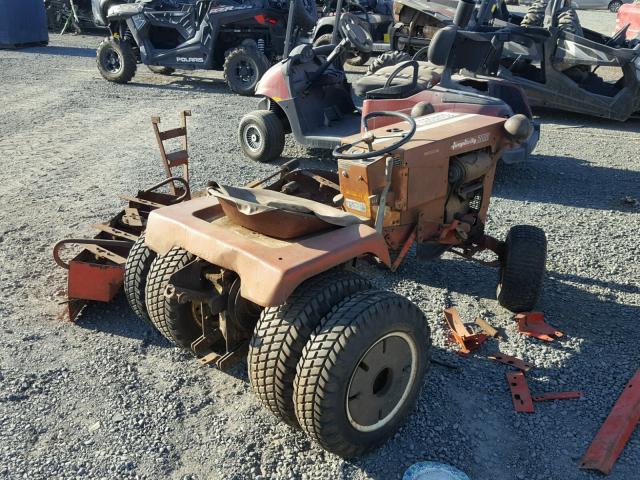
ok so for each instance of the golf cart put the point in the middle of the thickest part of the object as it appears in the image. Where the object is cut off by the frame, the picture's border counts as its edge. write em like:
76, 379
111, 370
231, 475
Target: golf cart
308, 95
375, 17
241, 38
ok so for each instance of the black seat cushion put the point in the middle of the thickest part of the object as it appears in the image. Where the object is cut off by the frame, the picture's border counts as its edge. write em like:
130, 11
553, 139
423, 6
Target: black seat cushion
428, 74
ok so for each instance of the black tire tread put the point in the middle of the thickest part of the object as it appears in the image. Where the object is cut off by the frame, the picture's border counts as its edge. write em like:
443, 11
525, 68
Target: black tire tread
386, 59
136, 270
523, 269
314, 379
283, 331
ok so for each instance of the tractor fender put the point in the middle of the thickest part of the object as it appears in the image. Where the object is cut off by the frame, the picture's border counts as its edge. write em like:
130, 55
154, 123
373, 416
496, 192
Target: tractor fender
270, 269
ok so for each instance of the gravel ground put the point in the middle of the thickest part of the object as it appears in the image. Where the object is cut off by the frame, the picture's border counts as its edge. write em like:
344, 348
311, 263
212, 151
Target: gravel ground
107, 397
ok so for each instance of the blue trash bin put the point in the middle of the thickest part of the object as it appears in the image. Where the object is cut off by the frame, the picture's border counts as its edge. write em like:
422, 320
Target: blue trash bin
23, 23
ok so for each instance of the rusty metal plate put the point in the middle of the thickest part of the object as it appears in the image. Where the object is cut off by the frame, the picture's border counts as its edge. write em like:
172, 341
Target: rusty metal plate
468, 342
513, 361
520, 393
92, 281
616, 430
532, 324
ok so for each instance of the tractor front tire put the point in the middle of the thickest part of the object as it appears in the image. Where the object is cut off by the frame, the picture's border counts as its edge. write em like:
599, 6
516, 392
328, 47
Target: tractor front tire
176, 322
522, 268
283, 331
243, 68
116, 60
136, 270
261, 135
361, 372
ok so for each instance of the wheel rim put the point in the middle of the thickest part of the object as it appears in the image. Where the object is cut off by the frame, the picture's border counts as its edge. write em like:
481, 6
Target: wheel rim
246, 72
381, 382
112, 61
252, 138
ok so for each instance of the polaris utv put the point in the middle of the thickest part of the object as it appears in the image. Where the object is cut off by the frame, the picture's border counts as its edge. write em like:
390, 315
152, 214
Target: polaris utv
241, 38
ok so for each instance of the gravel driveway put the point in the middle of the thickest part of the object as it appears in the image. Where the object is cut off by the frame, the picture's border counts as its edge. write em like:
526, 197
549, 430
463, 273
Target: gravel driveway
108, 397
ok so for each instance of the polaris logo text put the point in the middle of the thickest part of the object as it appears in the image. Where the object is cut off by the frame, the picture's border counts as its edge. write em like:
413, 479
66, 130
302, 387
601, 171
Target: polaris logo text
190, 60
483, 137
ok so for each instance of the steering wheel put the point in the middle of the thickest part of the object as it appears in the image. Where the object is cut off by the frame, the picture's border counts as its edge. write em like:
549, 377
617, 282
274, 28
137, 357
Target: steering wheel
355, 34
369, 137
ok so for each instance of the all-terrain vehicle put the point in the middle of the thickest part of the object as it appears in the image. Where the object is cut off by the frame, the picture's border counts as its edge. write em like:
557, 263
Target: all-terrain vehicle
309, 96
241, 38
374, 16
556, 61
268, 269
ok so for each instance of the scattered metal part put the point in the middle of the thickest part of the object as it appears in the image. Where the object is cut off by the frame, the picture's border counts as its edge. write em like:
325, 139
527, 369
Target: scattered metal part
513, 361
557, 396
178, 158
468, 342
614, 433
404, 250
532, 324
520, 393
450, 366
487, 328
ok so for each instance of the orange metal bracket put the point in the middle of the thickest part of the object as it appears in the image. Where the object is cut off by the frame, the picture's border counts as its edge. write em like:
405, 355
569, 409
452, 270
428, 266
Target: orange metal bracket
532, 324
520, 393
513, 361
614, 433
467, 341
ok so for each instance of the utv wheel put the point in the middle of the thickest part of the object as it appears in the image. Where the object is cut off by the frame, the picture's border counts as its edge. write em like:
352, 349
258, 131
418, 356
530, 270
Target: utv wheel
283, 331
261, 135
176, 322
135, 276
615, 6
161, 70
387, 59
361, 372
522, 268
116, 60
243, 68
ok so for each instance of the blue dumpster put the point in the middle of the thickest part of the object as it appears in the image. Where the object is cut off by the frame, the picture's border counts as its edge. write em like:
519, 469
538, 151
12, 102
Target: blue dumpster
23, 23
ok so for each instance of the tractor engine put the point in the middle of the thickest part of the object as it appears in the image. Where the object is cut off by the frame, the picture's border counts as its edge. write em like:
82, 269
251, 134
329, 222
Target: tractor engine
466, 180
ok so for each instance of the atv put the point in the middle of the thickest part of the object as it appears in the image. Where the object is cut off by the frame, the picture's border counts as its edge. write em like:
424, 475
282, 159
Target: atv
375, 17
241, 38
308, 94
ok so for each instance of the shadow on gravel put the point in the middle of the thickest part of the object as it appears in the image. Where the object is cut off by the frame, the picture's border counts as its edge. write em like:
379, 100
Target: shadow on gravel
186, 83
576, 121
63, 51
118, 319
569, 181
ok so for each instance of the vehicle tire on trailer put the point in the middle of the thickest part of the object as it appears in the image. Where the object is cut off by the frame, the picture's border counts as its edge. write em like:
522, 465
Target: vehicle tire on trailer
535, 14
568, 21
387, 59
283, 331
522, 268
614, 6
261, 135
243, 68
136, 270
361, 372
176, 322
305, 13
116, 60
161, 70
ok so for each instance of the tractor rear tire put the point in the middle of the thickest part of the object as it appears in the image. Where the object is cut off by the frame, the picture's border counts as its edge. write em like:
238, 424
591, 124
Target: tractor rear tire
283, 331
261, 135
116, 60
522, 268
387, 59
135, 276
243, 68
361, 372
176, 322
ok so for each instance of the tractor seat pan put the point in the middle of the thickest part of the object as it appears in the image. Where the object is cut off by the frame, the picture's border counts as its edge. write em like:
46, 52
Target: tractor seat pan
428, 75
277, 214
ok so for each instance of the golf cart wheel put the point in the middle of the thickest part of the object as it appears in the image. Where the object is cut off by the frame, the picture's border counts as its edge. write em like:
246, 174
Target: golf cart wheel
135, 276
116, 60
283, 331
161, 70
387, 59
261, 135
614, 6
176, 322
243, 68
361, 372
522, 268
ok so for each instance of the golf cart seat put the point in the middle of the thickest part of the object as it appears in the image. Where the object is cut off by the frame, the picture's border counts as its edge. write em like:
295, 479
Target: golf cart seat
375, 85
277, 214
